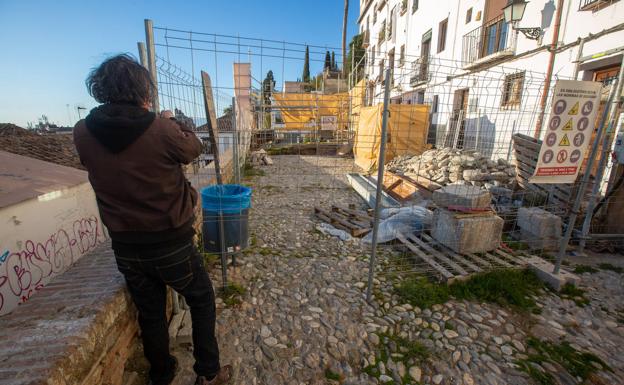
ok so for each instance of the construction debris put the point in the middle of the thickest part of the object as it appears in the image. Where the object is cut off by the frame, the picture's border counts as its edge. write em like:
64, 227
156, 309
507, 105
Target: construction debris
445, 166
261, 158
355, 222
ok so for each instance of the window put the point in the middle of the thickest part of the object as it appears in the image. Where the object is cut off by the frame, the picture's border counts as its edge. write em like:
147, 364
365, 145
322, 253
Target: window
391, 23
435, 104
495, 37
468, 15
442, 35
373, 57
381, 68
374, 16
382, 33
512, 90
391, 66
402, 56
414, 6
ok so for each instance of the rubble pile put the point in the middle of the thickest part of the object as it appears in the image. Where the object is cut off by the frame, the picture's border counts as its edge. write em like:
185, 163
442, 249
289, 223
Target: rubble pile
450, 166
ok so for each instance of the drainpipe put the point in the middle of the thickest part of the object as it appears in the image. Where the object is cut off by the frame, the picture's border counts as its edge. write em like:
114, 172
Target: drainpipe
551, 64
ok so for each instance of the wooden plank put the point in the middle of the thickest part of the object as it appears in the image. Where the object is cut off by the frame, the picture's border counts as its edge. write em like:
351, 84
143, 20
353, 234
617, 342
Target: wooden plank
518, 260
438, 255
497, 260
450, 252
361, 216
439, 268
341, 223
527, 141
211, 124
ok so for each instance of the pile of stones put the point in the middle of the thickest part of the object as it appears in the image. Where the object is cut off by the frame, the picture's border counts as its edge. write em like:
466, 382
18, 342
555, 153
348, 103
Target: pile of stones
445, 166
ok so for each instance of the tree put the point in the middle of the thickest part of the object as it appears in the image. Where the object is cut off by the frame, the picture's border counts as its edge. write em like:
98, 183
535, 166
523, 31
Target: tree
306, 66
328, 63
356, 53
344, 36
268, 85
333, 61
228, 110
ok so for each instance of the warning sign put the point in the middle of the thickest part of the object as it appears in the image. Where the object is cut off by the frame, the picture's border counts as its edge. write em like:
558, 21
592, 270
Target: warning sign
561, 155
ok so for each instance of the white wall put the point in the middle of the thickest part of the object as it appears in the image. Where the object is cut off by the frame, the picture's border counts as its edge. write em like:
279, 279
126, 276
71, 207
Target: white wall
42, 237
485, 85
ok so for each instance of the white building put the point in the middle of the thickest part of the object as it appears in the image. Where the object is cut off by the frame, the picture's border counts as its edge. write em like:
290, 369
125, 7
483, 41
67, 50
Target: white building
477, 72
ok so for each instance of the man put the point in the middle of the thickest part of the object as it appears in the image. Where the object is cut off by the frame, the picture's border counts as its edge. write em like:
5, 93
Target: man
134, 159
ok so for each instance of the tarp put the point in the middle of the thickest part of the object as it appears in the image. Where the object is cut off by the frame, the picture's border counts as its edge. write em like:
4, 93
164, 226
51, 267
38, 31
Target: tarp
358, 96
407, 133
304, 112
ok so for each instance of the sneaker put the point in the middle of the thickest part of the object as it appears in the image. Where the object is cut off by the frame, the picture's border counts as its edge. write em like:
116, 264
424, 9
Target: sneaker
222, 378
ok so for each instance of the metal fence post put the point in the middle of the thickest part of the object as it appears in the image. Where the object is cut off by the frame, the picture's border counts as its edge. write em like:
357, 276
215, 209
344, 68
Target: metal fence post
617, 86
236, 144
380, 174
581, 190
151, 61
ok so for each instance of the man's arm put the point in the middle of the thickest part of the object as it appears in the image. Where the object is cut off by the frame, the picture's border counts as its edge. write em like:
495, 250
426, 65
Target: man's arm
183, 146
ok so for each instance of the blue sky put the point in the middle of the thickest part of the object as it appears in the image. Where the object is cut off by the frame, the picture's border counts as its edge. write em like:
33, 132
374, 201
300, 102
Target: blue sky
48, 47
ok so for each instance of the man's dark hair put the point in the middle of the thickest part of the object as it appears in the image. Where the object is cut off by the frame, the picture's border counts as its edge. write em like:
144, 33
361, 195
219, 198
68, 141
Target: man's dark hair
121, 79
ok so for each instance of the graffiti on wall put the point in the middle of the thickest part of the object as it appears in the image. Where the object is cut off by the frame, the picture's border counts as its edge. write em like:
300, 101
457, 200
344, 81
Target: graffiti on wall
23, 272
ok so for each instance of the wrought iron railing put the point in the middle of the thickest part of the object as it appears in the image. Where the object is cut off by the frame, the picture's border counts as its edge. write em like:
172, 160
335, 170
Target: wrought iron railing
494, 37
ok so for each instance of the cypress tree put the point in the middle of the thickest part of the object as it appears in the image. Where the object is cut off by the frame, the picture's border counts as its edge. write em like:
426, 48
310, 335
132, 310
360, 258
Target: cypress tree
327, 61
306, 66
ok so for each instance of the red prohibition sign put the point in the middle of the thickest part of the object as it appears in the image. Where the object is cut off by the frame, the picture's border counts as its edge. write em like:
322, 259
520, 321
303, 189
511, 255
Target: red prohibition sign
562, 156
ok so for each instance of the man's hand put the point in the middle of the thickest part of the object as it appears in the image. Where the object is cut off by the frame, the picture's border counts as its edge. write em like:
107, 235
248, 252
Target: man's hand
167, 114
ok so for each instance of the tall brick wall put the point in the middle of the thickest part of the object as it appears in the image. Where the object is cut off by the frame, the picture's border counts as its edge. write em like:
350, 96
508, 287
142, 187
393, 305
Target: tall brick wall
78, 330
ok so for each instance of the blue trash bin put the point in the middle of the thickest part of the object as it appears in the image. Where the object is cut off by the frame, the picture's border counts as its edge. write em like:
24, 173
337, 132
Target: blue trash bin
229, 203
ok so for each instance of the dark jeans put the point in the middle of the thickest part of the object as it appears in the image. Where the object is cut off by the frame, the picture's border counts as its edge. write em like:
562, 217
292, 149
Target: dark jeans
147, 273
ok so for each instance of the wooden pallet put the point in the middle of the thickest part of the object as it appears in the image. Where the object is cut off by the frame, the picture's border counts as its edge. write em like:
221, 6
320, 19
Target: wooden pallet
356, 222
450, 266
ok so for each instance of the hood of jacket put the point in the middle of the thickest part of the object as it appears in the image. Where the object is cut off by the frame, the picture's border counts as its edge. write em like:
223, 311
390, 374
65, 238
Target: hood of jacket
116, 126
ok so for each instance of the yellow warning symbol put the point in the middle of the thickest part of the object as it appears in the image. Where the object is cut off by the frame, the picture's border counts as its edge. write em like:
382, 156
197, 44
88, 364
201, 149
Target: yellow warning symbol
574, 109
564, 141
568, 126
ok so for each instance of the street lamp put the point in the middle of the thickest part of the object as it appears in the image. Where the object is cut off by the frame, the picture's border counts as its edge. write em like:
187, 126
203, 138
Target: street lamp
514, 11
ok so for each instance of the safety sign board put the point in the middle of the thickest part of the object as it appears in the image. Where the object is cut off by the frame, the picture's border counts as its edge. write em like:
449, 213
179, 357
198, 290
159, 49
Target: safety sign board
574, 109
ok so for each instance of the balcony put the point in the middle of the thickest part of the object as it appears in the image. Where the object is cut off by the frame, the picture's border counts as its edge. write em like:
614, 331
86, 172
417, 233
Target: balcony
491, 41
589, 5
420, 71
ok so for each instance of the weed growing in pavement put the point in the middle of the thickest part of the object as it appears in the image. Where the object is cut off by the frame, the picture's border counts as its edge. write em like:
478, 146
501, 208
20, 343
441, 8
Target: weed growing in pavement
506, 287
577, 363
608, 266
580, 269
232, 294
406, 351
250, 171
569, 291
333, 376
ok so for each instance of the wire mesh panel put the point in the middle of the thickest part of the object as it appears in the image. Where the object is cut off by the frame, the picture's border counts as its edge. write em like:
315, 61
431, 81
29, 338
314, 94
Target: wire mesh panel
460, 144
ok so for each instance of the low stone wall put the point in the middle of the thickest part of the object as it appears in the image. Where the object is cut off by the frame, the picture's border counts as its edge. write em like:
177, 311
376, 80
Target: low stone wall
79, 329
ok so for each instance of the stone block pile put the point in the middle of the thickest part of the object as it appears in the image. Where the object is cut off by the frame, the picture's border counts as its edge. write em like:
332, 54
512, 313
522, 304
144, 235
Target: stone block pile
445, 166
476, 233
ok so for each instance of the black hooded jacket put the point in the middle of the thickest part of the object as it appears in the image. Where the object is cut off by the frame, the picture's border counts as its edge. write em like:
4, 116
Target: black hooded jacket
134, 160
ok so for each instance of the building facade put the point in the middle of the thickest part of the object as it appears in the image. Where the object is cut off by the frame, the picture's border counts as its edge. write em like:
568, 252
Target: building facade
483, 77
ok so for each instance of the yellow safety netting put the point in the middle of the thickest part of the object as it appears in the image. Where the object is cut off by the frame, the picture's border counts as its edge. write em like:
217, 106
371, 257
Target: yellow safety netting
311, 111
358, 96
407, 133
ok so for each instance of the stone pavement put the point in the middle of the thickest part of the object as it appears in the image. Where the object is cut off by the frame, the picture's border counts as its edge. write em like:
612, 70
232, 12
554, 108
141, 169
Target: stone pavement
304, 320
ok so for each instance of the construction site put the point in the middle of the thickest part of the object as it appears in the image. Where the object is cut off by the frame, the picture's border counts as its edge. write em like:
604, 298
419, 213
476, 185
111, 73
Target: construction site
413, 221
